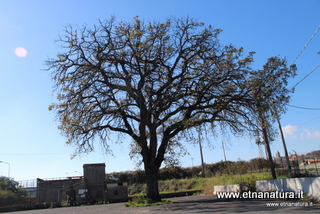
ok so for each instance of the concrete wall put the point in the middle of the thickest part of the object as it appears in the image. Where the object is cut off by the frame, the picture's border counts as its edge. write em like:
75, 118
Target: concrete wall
227, 188
117, 192
92, 187
49, 191
310, 166
309, 185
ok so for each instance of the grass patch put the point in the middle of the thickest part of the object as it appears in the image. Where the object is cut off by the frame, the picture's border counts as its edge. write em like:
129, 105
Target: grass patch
206, 183
174, 185
143, 202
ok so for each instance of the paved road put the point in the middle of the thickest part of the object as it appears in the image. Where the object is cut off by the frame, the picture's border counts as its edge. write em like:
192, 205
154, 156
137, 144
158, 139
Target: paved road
189, 204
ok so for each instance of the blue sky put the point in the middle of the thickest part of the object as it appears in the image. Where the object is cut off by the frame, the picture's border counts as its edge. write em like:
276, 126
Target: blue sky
29, 138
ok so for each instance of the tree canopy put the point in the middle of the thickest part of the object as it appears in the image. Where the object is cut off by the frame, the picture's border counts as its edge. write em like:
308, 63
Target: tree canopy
10, 191
270, 97
153, 81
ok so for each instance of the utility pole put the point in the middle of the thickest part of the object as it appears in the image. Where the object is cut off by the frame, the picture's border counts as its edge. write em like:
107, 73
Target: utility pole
284, 148
275, 112
297, 162
315, 162
201, 155
267, 144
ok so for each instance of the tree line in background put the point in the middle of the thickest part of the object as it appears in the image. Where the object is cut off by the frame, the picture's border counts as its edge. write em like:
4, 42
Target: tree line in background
313, 154
220, 168
177, 172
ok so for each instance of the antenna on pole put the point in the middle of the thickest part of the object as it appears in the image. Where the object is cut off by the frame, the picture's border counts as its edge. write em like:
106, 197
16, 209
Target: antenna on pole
261, 155
224, 152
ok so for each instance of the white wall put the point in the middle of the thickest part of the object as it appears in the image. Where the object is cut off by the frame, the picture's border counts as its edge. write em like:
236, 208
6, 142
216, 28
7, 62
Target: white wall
226, 188
309, 185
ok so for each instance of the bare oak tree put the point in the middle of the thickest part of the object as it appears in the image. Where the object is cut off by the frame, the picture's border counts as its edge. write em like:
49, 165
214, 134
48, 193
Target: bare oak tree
151, 81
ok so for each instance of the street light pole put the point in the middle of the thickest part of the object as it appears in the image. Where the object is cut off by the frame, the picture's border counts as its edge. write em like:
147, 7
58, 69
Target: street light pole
8, 167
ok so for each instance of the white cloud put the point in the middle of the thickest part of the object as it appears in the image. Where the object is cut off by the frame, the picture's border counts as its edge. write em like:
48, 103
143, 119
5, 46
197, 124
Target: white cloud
307, 134
289, 130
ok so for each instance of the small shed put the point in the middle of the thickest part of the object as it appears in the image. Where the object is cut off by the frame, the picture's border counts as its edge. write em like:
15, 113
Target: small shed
117, 192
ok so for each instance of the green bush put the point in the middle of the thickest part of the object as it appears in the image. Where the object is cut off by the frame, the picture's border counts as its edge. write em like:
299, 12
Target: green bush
7, 198
177, 172
10, 192
206, 184
137, 188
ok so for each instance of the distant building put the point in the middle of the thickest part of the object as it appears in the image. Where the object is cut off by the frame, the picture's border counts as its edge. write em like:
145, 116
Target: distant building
294, 157
278, 155
90, 188
310, 163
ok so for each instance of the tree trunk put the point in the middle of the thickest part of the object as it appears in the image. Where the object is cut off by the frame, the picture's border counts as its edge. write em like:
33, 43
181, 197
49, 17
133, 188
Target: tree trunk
266, 141
269, 155
152, 184
273, 172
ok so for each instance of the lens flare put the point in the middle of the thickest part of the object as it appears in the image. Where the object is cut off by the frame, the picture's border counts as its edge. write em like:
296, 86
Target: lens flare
21, 52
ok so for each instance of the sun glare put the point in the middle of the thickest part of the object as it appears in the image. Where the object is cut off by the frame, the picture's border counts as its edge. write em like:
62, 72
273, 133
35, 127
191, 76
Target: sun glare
21, 52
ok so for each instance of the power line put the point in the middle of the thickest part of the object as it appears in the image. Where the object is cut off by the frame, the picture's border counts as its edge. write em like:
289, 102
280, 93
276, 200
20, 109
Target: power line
308, 121
304, 107
313, 35
292, 127
306, 45
37, 154
305, 76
